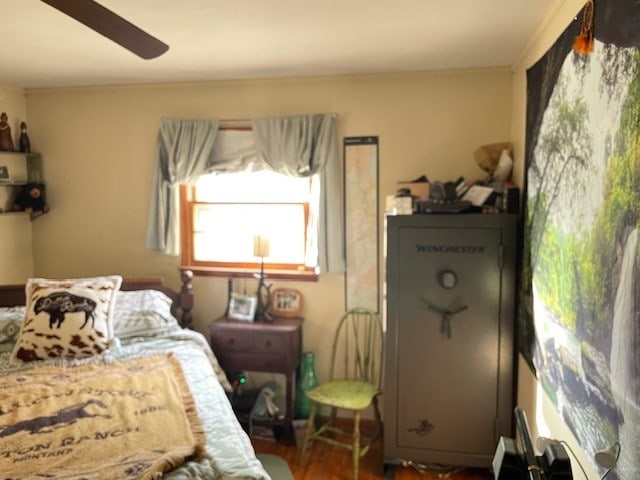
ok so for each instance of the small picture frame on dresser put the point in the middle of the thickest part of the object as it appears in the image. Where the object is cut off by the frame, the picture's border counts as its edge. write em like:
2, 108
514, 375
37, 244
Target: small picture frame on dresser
286, 302
242, 307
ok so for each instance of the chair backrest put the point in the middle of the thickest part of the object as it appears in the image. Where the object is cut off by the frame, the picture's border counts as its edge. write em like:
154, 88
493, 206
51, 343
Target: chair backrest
357, 347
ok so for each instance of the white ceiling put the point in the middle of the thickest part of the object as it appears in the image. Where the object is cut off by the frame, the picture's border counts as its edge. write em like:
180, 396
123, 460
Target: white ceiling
214, 39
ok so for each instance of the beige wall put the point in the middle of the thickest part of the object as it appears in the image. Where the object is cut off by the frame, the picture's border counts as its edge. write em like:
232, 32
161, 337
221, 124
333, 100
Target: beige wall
98, 148
16, 249
543, 418
13, 102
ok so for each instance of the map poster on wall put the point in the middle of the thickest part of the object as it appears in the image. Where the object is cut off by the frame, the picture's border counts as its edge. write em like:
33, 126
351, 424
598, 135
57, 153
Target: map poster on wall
361, 222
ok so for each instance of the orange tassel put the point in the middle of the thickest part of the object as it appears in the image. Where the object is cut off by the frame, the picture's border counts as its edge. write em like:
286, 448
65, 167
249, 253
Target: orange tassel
583, 43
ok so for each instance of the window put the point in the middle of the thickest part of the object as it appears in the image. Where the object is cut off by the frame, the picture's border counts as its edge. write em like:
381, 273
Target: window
222, 212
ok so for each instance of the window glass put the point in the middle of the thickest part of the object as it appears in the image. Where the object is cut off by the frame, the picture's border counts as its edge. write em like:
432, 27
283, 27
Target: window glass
226, 211
223, 232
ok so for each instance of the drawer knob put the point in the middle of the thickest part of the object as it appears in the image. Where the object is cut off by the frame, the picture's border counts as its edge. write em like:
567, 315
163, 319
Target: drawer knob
267, 343
231, 341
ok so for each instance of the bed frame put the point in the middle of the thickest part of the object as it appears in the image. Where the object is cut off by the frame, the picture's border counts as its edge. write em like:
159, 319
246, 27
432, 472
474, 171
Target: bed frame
13, 295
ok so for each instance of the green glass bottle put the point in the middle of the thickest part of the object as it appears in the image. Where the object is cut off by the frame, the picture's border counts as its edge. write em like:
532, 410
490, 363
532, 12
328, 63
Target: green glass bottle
308, 380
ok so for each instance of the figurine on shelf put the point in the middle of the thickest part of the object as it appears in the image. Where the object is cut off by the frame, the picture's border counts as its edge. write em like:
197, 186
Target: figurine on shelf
6, 142
24, 143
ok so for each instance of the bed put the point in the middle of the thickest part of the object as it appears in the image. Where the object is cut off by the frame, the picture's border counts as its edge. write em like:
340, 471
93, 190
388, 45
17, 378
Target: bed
162, 380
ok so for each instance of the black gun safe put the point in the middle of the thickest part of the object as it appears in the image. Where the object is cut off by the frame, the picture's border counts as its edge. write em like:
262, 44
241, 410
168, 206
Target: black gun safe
449, 347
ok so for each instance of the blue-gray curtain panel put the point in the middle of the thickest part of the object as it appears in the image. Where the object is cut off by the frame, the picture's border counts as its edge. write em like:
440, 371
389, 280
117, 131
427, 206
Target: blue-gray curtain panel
184, 151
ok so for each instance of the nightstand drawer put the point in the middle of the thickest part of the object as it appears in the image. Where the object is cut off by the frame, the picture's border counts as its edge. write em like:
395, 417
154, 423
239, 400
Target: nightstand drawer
231, 341
269, 342
259, 362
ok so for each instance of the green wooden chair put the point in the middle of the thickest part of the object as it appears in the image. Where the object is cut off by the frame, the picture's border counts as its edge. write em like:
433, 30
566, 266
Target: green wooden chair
354, 385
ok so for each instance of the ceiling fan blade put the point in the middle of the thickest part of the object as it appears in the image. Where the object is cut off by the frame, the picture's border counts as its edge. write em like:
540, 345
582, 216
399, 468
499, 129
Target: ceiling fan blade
112, 26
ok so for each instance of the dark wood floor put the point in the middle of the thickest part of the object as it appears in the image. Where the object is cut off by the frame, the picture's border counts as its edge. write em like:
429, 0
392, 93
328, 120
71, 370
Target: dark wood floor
326, 462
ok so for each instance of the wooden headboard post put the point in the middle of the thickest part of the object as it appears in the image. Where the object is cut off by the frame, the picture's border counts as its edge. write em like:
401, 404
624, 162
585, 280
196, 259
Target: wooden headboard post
182, 299
12, 295
186, 299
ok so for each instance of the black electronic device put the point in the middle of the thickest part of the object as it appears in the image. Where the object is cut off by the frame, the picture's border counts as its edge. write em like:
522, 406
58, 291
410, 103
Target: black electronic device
508, 463
511, 464
555, 462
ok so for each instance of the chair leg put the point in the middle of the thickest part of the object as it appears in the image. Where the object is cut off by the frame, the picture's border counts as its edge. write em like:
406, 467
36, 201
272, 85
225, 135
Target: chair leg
308, 431
376, 411
356, 444
333, 416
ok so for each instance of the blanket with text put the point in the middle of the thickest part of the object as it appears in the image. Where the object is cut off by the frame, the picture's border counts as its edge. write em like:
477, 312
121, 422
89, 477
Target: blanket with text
132, 419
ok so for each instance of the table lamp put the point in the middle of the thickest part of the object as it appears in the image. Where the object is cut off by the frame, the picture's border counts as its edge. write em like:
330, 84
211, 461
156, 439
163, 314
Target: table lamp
261, 249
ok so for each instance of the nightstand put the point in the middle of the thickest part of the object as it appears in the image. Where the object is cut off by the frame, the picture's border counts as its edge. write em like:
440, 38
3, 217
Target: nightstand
261, 347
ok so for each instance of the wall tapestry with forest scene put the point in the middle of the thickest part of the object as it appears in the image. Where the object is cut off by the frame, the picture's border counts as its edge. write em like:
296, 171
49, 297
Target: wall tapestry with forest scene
579, 320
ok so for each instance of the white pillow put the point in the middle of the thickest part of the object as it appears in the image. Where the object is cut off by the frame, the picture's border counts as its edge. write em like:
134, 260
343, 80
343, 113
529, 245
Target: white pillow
12, 313
142, 313
68, 318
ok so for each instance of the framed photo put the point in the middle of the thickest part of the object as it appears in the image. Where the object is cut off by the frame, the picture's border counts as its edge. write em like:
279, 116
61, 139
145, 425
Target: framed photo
242, 307
286, 302
4, 174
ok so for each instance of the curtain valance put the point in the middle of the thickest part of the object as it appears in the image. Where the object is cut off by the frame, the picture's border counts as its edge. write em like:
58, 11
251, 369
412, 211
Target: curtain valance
301, 145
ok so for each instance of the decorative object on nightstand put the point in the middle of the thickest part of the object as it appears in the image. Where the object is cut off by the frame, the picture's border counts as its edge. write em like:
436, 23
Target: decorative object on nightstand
6, 142
261, 249
241, 307
286, 302
229, 293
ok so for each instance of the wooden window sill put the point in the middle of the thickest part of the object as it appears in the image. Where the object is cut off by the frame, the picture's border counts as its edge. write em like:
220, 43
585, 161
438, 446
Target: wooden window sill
304, 276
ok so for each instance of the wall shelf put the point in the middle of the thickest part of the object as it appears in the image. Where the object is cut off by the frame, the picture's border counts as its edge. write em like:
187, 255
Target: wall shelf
16, 170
